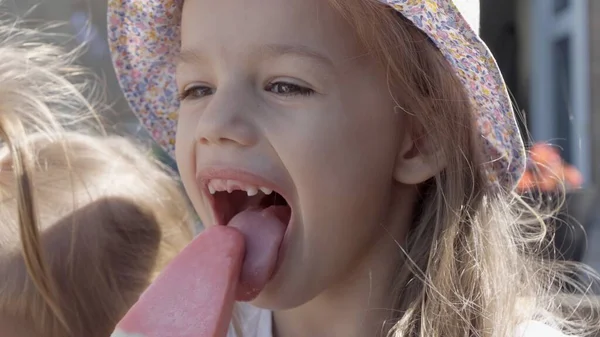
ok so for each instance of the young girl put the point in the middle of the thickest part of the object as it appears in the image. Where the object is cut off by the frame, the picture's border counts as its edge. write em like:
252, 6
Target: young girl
385, 128
85, 222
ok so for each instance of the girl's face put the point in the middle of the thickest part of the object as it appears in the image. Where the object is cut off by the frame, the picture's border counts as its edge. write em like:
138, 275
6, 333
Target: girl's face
282, 90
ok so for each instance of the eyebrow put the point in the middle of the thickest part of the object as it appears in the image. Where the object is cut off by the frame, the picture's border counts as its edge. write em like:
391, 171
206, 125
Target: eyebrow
268, 50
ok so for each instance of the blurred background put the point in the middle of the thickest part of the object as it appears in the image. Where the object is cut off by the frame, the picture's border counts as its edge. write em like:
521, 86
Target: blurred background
549, 54
548, 51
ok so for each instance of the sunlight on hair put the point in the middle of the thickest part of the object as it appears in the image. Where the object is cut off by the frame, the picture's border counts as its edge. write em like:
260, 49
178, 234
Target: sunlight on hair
40, 81
479, 261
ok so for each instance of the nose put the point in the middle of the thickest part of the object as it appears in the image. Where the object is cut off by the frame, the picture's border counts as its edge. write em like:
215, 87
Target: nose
227, 119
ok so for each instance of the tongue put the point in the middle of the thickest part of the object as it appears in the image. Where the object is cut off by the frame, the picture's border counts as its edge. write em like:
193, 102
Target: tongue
263, 232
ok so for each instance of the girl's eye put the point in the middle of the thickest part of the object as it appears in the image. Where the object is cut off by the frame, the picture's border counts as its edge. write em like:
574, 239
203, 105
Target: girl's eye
288, 89
196, 92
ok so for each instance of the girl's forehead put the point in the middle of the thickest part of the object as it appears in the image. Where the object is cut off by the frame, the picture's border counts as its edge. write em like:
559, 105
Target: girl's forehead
286, 14
281, 26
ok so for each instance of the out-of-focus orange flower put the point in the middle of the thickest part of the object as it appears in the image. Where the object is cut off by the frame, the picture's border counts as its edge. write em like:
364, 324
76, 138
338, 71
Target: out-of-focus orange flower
526, 182
546, 171
573, 177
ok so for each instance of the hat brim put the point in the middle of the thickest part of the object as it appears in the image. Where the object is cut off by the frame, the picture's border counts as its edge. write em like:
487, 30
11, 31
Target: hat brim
144, 38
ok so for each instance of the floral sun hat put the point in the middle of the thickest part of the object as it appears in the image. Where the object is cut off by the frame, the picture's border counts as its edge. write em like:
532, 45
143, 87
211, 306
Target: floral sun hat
144, 41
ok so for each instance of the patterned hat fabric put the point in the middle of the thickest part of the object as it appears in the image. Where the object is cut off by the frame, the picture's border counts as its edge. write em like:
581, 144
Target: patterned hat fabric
144, 38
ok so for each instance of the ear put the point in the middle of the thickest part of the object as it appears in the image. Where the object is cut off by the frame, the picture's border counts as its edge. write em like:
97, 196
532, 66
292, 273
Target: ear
417, 160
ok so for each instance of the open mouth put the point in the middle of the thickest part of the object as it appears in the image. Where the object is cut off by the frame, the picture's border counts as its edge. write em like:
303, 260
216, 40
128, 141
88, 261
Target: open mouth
232, 197
262, 216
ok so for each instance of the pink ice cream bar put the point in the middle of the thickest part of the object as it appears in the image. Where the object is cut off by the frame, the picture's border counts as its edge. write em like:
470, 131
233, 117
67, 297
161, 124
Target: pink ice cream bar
194, 296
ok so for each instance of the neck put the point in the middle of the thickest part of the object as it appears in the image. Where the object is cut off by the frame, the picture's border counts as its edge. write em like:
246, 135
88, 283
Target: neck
361, 304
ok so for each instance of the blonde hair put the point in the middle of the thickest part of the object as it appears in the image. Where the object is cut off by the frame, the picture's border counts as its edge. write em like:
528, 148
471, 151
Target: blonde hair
475, 257
86, 221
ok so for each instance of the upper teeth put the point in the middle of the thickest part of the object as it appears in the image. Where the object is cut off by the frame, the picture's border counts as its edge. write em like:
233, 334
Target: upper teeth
226, 185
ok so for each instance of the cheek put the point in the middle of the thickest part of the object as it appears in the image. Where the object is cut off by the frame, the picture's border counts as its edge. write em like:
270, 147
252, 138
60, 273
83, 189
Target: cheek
349, 155
184, 147
343, 171
186, 165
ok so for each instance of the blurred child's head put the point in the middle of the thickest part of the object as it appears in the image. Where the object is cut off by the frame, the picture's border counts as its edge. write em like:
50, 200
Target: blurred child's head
109, 220
86, 222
